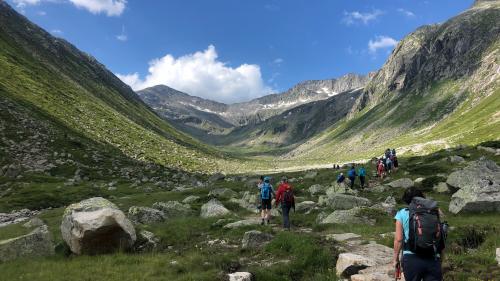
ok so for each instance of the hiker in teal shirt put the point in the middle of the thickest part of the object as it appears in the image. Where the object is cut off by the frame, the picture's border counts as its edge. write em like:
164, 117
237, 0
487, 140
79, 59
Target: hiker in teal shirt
362, 176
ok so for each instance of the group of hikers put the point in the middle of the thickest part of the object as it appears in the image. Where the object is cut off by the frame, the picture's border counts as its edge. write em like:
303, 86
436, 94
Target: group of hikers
420, 235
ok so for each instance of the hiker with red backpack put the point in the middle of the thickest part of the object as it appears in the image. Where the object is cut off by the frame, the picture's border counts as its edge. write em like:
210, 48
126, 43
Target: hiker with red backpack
266, 197
420, 236
284, 196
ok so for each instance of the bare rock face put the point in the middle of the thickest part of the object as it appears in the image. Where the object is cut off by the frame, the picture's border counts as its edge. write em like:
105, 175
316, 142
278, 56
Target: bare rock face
479, 188
95, 226
37, 243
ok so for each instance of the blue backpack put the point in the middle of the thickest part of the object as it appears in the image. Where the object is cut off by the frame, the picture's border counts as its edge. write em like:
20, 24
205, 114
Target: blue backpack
351, 173
265, 191
362, 172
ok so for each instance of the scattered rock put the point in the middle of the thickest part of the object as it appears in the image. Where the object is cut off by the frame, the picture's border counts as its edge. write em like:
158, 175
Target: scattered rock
317, 189
487, 149
311, 175
255, 239
352, 216
222, 193
37, 243
401, 183
418, 181
479, 188
173, 209
216, 177
362, 257
342, 237
240, 276
379, 188
145, 215
242, 223
388, 206
146, 242
340, 201
16, 216
191, 199
498, 255
441, 187
34, 222
95, 226
305, 206
213, 208
456, 159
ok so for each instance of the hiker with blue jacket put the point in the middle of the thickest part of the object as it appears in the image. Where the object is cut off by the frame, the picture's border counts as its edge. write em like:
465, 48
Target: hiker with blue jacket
362, 176
351, 174
420, 236
266, 196
340, 181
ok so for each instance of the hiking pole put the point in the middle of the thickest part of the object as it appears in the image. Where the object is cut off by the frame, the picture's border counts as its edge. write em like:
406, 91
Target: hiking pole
397, 273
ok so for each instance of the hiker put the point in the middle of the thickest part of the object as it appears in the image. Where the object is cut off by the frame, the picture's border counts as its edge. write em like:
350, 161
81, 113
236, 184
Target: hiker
259, 186
266, 193
388, 165
421, 246
393, 152
352, 176
395, 163
381, 170
362, 175
340, 181
284, 196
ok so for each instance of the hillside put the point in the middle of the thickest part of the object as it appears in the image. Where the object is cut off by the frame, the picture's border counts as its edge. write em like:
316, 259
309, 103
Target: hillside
439, 88
66, 99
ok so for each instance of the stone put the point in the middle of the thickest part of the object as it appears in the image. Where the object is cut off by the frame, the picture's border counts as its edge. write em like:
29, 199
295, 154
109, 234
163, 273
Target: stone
145, 215
242, 223
305, 206
240, 276
317, 189
441, 187
456, 159
255, 239
222, 193
340, 201
401, 183
95, 226
213, 208
388, 206
342, 237
37, 243
245, 204
146, 242
34, 222
479, 188
361, 258
487, 149
16, 216
498, 255
379, 188
216, 177
352, 216
191, 199
418, 181
310, 175
173, 209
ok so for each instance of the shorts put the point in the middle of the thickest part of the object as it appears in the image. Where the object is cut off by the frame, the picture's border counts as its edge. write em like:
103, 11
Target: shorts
266, 204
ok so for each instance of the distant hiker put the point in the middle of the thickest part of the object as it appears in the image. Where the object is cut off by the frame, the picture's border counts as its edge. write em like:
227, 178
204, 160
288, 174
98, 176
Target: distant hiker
362, 175
284, 196
395, 163
259, 186
341, 181
352, 176
388, 163
387, 153
394, 152
266, 193
381, 170
421, 236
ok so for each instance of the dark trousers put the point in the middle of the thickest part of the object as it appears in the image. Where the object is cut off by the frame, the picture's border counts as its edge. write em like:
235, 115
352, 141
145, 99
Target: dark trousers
362, 180
286, 215
416, 268
352, 181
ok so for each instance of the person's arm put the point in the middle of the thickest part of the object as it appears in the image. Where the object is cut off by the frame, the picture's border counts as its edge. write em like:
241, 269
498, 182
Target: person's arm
398, 242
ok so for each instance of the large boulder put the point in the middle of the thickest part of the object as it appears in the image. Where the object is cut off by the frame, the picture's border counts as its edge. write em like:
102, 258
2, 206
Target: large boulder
340, 201
255, 239
361, 258
402, 183
352, 216
191, 199
479, 188
240, 276
213, 208
173, 209
95, 226
145, 215
37, 243
317, 189
305, 206
388, 206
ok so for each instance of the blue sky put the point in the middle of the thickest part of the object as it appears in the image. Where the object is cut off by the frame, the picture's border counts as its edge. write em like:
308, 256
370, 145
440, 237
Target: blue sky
234, 50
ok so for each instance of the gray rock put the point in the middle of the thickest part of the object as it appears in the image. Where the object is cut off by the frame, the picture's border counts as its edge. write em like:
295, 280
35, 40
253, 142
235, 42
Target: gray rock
344, 202
441, 187
342, 237
352, 216
145, 215
317, 189
479, 188
34, 222
364, 256
498, 255
146, 242
487, 149
242, 223
240, 276
213, 208
305, 206
173, 209
245, 204
95, 226
378, 188
37, 243
388, 206
255, 239
401, 183
191, 199
456, 159
217, 177
225, 193
310, 175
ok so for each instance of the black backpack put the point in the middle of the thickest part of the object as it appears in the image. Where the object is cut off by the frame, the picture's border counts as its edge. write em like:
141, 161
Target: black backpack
426, 234
288, 197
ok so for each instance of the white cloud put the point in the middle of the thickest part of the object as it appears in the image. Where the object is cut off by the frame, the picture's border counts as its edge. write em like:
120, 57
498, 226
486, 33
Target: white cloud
202, 74
122, 36
41, 13
56, 32
356, 16
407, 13
110, 7
278, 61
381, 42
23, 3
